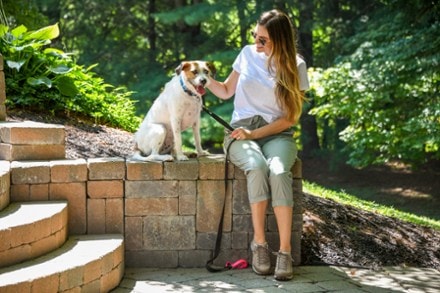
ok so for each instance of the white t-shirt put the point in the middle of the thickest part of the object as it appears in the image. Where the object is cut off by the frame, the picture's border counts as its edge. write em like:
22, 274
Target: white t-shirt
255, 92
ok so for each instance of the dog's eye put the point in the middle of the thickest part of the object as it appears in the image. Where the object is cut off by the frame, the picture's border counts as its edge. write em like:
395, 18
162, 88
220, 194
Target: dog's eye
206, 71
195, 72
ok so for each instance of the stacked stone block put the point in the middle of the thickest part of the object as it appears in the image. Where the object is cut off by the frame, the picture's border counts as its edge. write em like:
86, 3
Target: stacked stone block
105, 192
29, 230
168, 212
172, 211
30, 140
5, 184
93, 189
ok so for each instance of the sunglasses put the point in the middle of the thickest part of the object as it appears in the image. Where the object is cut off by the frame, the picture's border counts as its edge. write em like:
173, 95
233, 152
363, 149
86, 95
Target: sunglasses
260, 40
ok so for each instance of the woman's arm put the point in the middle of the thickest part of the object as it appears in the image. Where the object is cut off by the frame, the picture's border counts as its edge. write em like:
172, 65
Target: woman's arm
275, 127
224, 90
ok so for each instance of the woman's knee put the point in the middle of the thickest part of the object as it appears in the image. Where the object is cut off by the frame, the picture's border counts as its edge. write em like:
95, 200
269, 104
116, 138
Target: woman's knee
281, 187
247, 155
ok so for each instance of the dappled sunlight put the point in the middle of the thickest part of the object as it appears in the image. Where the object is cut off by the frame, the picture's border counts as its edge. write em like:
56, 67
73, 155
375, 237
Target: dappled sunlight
407, 193
339, 234
306, 279
276, 166
398, 279
193, 280
309, 220
394, 185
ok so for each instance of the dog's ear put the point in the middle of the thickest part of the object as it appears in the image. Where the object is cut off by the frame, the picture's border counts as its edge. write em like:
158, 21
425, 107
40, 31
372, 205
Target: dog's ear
212, 69
181, 67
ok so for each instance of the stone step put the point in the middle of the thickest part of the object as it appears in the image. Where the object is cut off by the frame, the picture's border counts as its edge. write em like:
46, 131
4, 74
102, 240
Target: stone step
87, 263
29, 140
5, 184
31, 229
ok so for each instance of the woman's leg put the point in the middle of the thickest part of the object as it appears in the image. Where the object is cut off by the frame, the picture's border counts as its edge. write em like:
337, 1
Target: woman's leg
283, 215
281, 154
248, 156
258, 210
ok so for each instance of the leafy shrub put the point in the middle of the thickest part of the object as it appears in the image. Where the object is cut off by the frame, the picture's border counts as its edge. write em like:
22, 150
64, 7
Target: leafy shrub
388, 93
43, 78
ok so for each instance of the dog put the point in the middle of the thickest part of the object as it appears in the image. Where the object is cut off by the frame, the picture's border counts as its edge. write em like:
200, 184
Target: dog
177, 108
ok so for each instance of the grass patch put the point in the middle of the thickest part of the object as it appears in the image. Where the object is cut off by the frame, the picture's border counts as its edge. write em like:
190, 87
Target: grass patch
348, 199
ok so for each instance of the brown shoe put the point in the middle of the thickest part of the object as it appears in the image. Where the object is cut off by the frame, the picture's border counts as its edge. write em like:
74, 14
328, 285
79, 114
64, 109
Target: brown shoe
283, 269
260, 258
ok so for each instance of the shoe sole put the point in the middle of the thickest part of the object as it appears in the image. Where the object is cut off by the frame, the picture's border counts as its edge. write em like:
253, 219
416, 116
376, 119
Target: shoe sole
260, 273
282, 278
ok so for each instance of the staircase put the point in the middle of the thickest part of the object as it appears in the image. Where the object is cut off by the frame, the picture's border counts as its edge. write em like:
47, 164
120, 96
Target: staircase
37, 254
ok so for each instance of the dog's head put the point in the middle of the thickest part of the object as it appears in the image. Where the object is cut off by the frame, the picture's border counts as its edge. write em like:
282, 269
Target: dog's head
197, 74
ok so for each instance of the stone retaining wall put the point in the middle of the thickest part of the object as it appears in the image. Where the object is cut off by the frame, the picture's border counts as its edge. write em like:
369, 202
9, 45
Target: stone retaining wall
168, 212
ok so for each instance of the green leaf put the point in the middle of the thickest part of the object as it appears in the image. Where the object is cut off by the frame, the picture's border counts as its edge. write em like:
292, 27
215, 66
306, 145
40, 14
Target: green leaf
61, 69
15, 64
40, 80
3, 30
66, 86
55, 52
18, 31
45, 33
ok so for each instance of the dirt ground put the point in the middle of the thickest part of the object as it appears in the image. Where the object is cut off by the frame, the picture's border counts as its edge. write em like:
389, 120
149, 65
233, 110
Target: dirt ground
333, 233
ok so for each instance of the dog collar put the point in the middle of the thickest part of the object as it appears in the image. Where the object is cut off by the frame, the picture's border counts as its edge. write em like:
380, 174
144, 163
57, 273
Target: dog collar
185, 89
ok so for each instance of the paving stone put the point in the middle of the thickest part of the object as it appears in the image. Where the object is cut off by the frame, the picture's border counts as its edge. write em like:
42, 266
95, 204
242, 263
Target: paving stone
200, 280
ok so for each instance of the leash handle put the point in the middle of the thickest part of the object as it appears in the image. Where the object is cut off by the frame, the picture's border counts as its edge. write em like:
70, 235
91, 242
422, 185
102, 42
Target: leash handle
237, 265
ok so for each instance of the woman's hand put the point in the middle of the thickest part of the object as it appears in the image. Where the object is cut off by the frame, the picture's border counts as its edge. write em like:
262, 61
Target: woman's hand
241, 134
224, 90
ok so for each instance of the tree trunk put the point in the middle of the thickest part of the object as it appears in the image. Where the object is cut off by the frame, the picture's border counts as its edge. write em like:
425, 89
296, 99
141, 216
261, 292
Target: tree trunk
309, 134
243, 24
151, 31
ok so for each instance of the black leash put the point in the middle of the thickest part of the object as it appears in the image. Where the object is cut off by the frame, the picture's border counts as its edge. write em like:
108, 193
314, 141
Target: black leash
218, 118
210, 263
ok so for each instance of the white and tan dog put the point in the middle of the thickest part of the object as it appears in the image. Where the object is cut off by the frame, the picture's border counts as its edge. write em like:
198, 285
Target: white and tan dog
177, 108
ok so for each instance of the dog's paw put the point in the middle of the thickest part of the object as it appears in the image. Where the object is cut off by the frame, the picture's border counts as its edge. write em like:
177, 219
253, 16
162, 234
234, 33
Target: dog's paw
138, 157
182, 158
203, 154
159, 158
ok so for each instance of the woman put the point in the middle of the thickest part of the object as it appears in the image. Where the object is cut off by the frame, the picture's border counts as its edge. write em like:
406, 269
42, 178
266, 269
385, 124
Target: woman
268, 80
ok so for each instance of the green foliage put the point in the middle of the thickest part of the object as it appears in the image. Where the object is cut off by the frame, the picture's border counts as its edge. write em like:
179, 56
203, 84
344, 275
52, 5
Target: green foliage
22, 12
40, 77
375, 96
387, 91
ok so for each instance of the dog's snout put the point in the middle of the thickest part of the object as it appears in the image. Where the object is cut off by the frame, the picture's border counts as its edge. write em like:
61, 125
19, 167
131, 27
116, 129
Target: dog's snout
203, 81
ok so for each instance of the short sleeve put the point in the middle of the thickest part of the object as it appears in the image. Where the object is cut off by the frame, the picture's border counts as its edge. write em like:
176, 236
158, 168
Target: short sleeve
302, 74
237, 63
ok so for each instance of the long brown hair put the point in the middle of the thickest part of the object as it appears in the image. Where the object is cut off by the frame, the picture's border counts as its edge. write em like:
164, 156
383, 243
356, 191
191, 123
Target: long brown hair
282, 60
